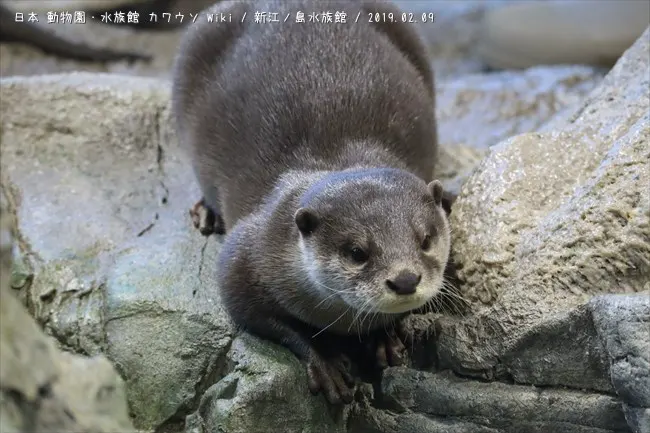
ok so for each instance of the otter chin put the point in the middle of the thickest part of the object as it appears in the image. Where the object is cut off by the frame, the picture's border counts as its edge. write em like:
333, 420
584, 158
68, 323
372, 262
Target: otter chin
398, 304
375, 250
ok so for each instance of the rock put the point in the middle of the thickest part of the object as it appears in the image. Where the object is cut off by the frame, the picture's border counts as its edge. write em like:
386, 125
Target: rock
42, 388
481, 110
509, 408
623, 325
638, 418
546, 222
125, 274
265, 391
535, 358
478, 111
372, 420
452, 35
22, 59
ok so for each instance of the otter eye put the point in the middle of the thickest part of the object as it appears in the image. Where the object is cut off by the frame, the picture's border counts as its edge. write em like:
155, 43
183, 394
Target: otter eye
426, 243
358, 255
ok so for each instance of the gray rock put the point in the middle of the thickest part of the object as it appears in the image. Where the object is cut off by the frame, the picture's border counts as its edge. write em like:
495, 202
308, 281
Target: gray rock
452, 36
266, 390
536, 357
125, 274
121, 274
623, 325
638, 418
482, 110
371, 420
478, 111
503, 407
549, 220
42, 388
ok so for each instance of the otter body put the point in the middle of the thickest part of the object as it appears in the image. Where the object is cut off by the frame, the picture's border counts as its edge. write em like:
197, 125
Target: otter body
314, 145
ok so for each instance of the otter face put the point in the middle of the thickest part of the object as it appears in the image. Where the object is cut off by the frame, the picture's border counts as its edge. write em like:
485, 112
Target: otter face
379, 243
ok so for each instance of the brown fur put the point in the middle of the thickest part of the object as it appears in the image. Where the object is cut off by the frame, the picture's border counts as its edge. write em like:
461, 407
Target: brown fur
337, 119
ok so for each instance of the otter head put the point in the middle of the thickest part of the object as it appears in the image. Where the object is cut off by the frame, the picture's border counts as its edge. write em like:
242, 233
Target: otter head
377, 239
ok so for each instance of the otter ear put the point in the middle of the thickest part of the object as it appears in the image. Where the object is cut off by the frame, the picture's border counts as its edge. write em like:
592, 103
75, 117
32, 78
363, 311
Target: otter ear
436, 191
306, 220
448, 200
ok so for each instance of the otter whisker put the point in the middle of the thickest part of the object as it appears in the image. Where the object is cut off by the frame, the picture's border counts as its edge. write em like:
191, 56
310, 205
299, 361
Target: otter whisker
452, 289
448, 304
354, 319
367, 312
374, 316
331, 289
359, 312
333, 322
433, 305
452, 295
335, 292
370, 313
325, 299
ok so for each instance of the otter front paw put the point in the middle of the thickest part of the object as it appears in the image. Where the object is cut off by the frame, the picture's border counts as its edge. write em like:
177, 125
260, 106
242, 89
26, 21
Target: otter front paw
206, 220
389, 347
332, 377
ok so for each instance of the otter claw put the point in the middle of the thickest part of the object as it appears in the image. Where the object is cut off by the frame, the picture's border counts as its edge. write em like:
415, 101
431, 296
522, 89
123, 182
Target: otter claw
332, 377
205, 220
391, 350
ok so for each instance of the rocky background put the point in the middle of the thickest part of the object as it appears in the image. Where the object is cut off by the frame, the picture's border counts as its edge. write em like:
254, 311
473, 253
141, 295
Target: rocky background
551, 233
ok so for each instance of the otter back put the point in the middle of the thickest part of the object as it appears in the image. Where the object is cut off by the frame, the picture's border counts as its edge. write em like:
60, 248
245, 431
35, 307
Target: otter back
254, 100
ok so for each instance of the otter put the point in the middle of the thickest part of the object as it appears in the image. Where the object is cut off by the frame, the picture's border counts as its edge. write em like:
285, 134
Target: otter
314, 146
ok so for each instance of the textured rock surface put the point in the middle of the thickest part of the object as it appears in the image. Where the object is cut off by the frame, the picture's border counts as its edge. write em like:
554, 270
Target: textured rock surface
107, 261
547, 221
623, 325
519, 407
98, 284
485, 109
551, 218
478, 111
124, 274
265, 391
42, 388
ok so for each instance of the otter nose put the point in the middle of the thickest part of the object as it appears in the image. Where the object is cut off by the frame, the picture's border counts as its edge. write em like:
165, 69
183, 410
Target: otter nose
405, 283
